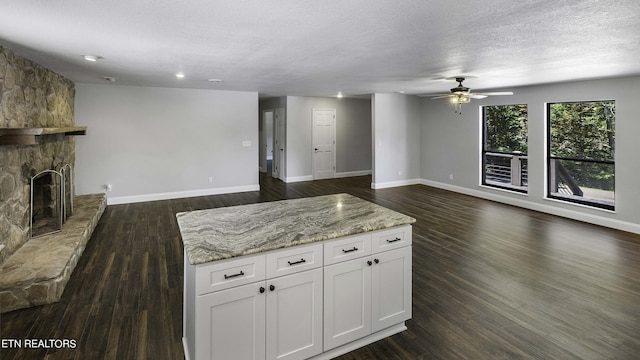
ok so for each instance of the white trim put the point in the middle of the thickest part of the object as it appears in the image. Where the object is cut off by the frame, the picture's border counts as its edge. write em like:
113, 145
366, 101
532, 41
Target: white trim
571, 214
390, 184
292, 179
180, 194
187, 356
353, 173
356, 344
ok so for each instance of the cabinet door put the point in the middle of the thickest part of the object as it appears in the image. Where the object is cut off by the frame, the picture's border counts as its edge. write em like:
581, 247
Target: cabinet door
391, 288
231, 324
347, 302
294, 316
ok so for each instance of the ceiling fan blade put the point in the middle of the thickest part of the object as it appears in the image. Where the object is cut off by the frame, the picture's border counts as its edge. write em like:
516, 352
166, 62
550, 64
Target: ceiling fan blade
441, 96
477, 96
437, 95
496, 93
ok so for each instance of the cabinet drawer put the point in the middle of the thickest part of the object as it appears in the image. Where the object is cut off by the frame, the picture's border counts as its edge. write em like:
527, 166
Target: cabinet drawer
296, 259
391, 239
347, 248
228, 273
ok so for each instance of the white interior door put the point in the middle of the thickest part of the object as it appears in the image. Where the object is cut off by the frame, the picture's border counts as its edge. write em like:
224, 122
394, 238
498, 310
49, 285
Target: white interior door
324, 143
278, 164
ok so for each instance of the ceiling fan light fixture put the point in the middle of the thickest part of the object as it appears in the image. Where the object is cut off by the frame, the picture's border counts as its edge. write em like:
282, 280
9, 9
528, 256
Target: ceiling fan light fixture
460, 99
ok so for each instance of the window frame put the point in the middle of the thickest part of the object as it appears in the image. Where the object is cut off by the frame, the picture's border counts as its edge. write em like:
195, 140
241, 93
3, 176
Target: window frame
549, 194
483, 153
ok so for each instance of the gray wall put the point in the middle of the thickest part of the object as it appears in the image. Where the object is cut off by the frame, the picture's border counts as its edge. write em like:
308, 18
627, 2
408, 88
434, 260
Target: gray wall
396, 145
353, 135
155, 143
450, 144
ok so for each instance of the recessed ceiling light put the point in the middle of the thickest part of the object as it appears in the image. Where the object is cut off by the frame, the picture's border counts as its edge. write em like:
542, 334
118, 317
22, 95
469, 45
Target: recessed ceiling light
340, 95
180, 75
400, 92
92, 58
215, 80
110, 78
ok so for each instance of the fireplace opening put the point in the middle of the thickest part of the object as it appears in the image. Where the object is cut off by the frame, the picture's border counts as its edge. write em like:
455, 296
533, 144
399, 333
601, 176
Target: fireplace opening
51, 200
47, 190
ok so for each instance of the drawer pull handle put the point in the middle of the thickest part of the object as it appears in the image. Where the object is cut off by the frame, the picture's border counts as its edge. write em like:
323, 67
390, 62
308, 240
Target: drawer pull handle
376, 261
271, 287
297, 262
394, 240
261, 290
234, 275
350, 250
369, 262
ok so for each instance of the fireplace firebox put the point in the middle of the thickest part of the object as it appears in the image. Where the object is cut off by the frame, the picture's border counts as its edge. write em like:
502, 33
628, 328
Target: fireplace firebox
51, 201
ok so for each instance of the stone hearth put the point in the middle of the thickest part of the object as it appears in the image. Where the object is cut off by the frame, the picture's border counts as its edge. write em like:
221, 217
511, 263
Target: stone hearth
37, 273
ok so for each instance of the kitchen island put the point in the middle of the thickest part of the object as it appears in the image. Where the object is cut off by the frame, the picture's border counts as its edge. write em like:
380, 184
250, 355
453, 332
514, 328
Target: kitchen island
294, 279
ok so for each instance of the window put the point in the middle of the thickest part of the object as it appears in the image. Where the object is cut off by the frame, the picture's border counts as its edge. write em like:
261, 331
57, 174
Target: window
504, 151
581, 147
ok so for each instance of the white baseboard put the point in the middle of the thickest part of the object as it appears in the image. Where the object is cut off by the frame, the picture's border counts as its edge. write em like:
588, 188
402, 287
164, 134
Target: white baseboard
356, 344
187, 356
353, 173
390, 184
292, 179
180, 194
553, 210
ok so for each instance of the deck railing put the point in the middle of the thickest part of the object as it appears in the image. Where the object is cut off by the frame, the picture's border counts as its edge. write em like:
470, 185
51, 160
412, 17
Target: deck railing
507, 170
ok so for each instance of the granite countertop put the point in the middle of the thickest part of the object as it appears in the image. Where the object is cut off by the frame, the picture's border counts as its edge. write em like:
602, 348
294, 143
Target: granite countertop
221, 233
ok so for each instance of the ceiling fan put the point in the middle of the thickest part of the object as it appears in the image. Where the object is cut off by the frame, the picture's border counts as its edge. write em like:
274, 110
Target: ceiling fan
462, 95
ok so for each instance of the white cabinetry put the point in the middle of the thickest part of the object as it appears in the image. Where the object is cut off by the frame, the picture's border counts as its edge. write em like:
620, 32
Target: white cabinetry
231, 324
312, 301
369, 293
294, 316
242, 313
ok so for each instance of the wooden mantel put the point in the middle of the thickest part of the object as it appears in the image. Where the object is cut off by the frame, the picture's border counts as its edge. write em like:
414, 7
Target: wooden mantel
27, 136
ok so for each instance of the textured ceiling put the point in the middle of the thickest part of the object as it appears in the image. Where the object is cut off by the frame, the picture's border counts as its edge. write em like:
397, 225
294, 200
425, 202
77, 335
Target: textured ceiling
320, 47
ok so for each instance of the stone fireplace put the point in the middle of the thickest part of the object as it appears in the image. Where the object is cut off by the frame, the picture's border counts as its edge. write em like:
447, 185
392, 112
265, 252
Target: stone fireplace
31, 96
37, 158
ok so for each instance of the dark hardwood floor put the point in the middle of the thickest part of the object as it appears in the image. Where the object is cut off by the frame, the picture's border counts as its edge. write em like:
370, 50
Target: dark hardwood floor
490, 281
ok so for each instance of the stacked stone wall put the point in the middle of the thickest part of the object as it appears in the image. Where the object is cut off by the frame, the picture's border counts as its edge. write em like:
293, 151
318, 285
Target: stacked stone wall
30, 96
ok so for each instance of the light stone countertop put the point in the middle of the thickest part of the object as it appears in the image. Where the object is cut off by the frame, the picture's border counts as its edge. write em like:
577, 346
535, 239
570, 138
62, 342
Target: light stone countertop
221, 233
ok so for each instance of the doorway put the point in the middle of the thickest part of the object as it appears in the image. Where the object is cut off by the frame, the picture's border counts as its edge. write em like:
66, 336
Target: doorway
266, 153
275, 120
